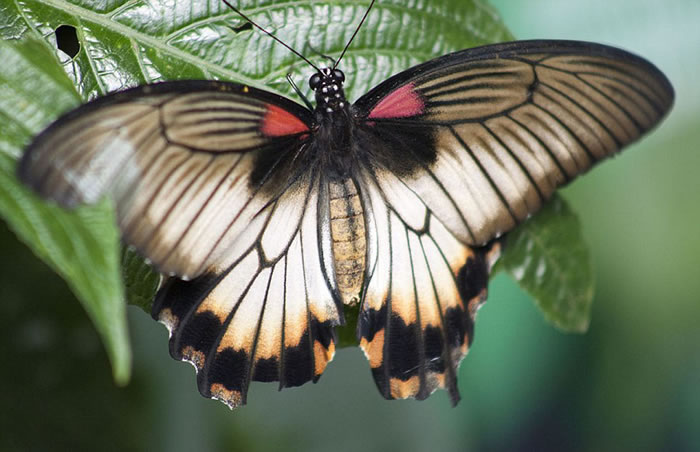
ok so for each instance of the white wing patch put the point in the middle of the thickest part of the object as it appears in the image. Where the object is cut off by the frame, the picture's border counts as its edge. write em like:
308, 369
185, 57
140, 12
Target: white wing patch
268, 316
177, 166
414, 326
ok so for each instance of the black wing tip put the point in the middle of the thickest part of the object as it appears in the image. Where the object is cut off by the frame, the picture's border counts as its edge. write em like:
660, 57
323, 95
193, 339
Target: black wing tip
669, 92
27, 173
453, 394
22, 171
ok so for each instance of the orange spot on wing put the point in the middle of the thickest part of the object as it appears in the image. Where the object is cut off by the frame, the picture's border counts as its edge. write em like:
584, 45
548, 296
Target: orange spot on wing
322, 356
439, 380
193, 356
169, 319
404, 389
374, 350
279, 122
475, 303
233, 399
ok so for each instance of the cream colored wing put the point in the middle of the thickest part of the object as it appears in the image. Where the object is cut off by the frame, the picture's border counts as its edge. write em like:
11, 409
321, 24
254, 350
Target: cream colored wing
424, 288
485, 136
264, 312
188, 164
462, 149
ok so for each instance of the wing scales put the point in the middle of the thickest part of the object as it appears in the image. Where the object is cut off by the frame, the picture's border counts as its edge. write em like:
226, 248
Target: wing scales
178, 159
414, 326
268, 316
511, 122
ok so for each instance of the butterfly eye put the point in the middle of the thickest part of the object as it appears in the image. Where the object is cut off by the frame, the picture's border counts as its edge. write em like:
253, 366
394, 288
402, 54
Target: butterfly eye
314, 81
338, 74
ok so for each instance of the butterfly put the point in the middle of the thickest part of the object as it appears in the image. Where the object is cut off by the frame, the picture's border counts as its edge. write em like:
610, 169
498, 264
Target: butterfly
270, 217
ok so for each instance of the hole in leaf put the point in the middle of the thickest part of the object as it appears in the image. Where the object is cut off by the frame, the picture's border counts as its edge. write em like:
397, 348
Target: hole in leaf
67, 40
246, 26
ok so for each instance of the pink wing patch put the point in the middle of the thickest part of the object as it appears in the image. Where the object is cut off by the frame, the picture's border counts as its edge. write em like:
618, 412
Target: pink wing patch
279, 122
401, 103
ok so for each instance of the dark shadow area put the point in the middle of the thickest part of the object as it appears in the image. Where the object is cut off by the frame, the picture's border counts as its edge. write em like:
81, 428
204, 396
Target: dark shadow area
246, 26
67, 40
58, 392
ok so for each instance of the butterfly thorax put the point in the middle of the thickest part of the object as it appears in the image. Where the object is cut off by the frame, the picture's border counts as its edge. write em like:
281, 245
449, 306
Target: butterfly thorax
327, 85
333, 124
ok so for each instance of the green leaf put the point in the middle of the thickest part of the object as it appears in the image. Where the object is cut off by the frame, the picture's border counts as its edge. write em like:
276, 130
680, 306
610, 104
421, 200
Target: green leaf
548, 257
82, 246
140, 280
125, 43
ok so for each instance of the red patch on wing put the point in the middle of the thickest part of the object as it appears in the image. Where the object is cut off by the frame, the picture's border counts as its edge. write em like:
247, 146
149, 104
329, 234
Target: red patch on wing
279, 122
401, 103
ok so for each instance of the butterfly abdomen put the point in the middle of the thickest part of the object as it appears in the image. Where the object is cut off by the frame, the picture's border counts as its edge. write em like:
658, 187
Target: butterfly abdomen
348, 237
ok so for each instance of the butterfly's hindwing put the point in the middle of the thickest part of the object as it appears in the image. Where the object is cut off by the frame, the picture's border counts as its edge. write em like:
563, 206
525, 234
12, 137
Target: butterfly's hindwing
424, 287
267, 314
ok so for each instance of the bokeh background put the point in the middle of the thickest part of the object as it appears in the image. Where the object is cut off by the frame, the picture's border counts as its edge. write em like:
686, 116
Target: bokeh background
631, 382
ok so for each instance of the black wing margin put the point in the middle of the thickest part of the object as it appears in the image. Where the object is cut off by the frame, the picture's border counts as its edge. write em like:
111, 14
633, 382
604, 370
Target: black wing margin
266, 312
417, 318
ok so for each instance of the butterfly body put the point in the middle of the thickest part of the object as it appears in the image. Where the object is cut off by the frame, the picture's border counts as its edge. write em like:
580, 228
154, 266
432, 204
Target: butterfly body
349, 239
271, 217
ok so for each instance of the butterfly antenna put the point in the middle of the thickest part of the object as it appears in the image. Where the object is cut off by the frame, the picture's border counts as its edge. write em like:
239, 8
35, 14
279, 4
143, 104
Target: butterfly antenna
354, 34
237, 11
299, 93
318, 52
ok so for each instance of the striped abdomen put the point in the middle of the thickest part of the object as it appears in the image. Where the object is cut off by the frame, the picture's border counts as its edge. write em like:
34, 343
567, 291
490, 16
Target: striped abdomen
348, 236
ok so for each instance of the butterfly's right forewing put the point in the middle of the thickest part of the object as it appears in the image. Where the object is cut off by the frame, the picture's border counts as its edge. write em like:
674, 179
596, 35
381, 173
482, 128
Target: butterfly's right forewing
509, 123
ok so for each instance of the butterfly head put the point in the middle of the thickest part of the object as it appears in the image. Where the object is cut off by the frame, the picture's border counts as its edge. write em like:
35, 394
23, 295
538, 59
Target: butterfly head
327, 84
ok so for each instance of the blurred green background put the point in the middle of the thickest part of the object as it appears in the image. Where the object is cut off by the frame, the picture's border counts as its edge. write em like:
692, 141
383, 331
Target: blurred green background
633, 381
